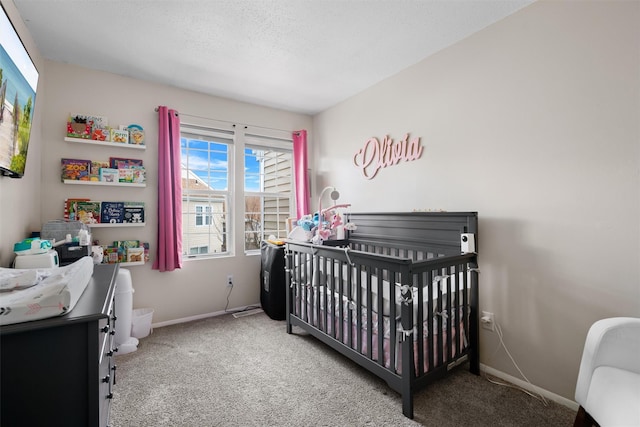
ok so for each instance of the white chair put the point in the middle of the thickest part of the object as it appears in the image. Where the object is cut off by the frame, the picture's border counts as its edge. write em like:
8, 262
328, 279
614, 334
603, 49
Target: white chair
608, 387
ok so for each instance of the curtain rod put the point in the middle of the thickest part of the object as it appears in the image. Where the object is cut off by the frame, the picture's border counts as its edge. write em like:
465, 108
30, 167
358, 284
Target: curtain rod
236, 124
157, 109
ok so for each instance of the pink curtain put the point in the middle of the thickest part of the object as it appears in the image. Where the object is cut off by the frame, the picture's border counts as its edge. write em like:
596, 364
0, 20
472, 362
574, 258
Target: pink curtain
300, 172
169, 254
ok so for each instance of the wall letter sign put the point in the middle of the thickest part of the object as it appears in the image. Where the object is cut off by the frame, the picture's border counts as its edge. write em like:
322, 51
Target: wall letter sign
375, 155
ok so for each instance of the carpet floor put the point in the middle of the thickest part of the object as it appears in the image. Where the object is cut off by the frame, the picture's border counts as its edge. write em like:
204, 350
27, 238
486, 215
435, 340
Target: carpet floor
247, 371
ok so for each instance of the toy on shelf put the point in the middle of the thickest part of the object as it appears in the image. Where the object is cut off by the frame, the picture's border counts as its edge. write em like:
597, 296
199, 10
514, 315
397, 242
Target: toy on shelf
96, 128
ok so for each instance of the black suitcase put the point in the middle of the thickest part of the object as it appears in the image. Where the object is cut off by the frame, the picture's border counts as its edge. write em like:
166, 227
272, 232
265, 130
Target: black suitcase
272, 280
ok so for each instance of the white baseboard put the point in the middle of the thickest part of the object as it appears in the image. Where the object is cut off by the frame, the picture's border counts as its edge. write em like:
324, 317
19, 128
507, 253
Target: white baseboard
530, 387
201, 316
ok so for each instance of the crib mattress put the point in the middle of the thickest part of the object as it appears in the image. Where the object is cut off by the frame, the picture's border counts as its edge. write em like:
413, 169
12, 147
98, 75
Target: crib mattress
33, 294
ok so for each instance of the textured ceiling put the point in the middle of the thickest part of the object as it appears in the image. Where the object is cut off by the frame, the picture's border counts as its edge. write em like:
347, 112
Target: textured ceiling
298, 55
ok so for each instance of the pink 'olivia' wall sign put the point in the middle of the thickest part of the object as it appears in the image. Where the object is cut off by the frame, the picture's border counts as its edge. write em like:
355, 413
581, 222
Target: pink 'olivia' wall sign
375, 155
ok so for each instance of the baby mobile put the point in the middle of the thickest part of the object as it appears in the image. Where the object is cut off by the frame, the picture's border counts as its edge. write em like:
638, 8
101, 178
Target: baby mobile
326, 224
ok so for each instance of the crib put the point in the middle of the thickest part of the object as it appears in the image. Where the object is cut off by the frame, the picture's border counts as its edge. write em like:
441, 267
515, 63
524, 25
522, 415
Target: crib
398, 296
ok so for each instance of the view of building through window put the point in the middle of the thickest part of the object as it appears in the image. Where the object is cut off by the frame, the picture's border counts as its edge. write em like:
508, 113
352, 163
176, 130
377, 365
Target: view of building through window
207, 158
268, 206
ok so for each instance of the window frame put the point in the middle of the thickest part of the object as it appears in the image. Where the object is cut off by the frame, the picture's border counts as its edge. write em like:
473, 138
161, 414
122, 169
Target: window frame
274, 143
219, 133
237, 137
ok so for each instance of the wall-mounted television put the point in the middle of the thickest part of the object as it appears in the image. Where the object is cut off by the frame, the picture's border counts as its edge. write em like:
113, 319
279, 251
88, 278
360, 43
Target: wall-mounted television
18, 83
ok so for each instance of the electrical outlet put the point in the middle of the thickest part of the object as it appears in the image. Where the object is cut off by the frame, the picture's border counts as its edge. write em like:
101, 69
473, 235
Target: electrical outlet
487, 321
230, 281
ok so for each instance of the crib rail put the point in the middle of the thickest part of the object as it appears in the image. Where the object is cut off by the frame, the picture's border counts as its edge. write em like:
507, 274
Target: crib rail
403, 313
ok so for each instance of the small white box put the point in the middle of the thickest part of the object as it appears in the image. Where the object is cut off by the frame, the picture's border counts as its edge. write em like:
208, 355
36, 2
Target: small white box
48, 259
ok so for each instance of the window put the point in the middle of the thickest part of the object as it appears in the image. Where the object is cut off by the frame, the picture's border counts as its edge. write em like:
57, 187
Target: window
209, 202
198, 250
206, 159
268, 188
203, 215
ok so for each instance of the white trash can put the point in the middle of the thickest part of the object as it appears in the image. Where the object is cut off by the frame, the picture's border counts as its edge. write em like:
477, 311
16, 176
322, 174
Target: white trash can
124, 313
141, 322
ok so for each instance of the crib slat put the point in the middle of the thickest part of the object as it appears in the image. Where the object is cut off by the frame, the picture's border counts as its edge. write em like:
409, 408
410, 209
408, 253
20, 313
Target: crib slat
349, 293
429, 319
408, 367
332, 286
419, 283
465, 302
449, 320
393, 321
438, 331
359, 308
369, 313
379, 274
321, 295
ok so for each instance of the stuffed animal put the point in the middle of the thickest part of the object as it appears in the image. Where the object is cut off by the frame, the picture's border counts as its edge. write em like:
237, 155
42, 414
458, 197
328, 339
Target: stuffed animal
306, 222
336, 220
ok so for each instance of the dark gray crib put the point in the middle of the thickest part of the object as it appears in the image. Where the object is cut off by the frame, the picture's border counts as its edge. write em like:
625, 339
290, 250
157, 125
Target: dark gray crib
398, 296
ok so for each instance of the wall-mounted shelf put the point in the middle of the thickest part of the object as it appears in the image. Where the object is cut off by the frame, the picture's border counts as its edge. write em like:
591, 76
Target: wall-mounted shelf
106, 143
113, 184
130, 264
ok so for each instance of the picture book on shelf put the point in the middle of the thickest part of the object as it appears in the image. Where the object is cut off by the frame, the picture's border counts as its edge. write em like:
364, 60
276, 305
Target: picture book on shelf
112, 212
133, 213
111, 255
125, 175
120, 163
96, 165
145, 245
126, 244
109, 175
135, 254
76, 169
88, 212
138, 174
82, 125
71, 208
136, 134
118, 135
100, 134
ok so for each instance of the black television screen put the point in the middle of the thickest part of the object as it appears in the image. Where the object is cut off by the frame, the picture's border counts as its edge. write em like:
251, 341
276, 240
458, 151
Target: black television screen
18, 83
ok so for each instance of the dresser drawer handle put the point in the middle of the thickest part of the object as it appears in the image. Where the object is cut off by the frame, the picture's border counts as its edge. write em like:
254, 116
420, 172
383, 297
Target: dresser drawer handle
110, 396
106, 379
105, 329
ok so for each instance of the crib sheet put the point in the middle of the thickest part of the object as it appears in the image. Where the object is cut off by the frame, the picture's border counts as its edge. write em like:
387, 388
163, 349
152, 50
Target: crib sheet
33, 294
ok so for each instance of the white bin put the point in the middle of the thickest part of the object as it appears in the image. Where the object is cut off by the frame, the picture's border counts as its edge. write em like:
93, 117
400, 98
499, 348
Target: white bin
124, 312
141, 326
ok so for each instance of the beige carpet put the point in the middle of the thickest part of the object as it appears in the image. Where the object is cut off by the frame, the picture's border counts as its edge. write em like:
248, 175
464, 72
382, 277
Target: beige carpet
224, 371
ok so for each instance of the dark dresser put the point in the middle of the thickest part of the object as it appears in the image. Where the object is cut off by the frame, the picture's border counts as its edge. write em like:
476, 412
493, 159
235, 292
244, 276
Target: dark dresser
60, 371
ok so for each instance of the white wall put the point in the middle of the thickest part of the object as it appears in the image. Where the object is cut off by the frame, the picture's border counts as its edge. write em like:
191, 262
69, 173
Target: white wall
20, 198
532, 122
200, 287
